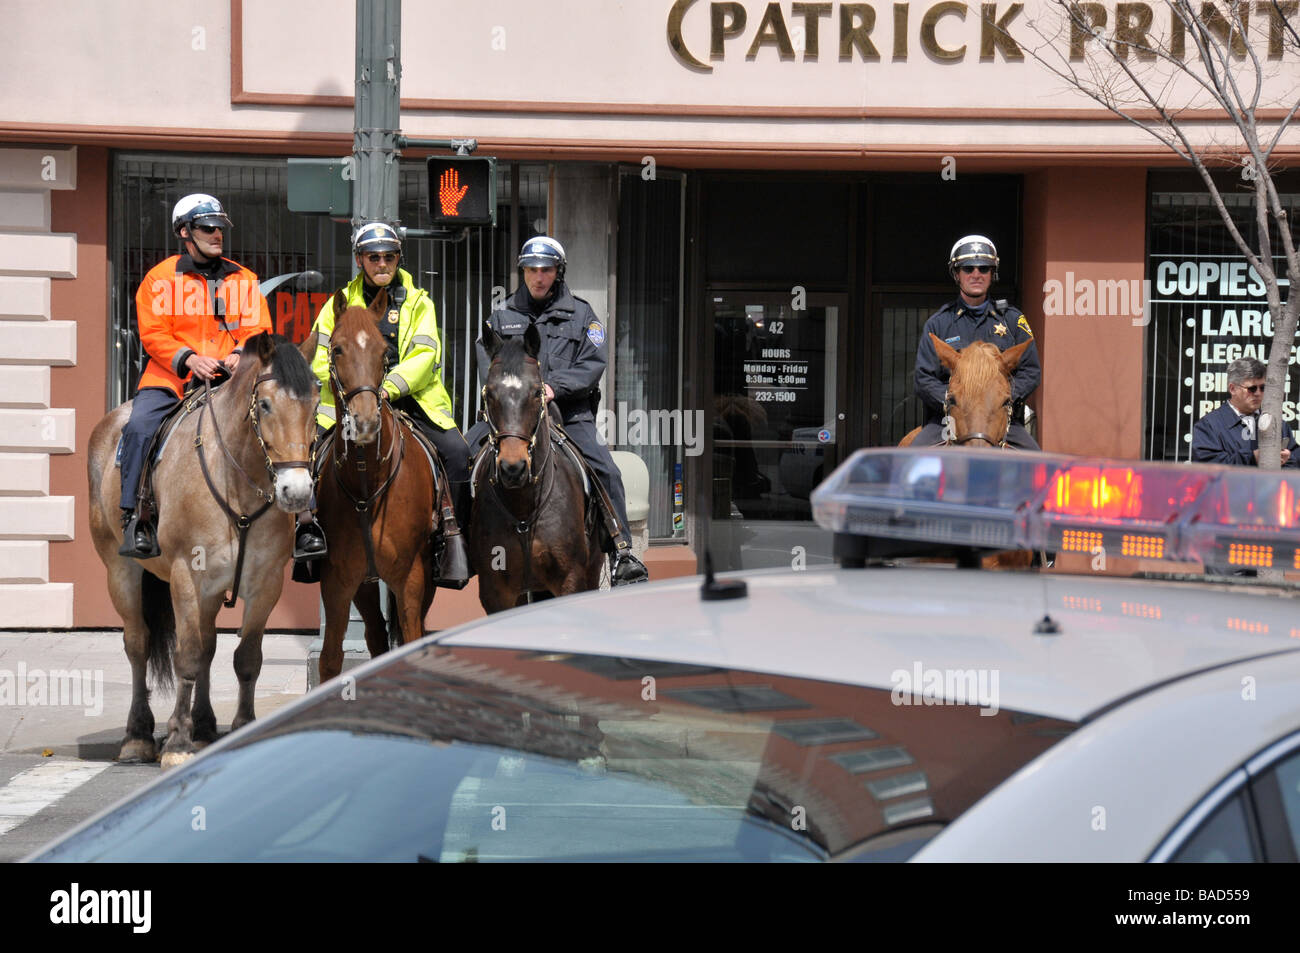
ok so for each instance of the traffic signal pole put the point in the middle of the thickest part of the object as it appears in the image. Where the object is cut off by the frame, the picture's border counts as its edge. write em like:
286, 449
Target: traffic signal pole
377, 119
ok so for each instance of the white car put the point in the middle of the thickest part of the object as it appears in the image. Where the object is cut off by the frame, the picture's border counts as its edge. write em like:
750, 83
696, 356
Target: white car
883, 710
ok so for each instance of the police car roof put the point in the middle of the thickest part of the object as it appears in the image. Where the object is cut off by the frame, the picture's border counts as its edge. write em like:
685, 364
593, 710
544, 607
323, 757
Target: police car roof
1117, 637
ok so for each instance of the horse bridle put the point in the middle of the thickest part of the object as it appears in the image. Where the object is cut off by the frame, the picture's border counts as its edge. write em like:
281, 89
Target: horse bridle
242, 521
365, 503
496, 435
966, 438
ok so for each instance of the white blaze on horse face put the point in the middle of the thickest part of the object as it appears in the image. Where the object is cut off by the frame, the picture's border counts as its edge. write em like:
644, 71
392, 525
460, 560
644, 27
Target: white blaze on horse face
511, 381
293, 489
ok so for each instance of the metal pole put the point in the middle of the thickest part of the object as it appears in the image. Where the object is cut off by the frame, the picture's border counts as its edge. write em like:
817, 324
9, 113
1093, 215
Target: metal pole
377, 120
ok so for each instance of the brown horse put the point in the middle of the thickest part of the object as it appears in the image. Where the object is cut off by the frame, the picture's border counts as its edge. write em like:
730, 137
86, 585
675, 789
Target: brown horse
530, 530
225, 463
979, 392
375, 500
979, 406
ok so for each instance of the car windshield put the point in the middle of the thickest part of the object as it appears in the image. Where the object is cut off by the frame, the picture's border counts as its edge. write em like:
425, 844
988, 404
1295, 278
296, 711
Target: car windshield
476, 755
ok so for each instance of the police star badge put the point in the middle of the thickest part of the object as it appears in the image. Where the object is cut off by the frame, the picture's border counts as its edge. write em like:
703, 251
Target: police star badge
1000, 329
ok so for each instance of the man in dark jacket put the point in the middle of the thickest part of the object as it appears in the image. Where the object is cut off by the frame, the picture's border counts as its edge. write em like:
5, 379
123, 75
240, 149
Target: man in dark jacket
1231, 433
973, 264
572, 360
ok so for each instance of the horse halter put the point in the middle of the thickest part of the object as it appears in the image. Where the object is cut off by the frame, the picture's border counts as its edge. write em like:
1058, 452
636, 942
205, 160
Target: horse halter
966, 438
496, 435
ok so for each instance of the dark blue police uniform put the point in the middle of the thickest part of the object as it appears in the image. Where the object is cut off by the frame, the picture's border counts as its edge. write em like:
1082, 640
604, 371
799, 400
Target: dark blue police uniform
572, 359
1220, 437
958, 324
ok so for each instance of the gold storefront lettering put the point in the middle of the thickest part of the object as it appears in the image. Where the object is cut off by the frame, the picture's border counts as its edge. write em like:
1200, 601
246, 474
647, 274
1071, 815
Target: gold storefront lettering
1130, 29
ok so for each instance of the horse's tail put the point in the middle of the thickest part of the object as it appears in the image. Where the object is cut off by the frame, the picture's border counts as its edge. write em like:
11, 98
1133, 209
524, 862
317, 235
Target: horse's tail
160, 619
394, 623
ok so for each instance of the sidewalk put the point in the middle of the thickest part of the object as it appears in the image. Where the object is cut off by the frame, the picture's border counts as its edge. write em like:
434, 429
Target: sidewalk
69, 692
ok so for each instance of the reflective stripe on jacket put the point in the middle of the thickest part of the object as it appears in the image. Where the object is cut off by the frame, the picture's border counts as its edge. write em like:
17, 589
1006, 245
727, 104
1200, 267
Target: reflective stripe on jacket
179, 313
418, 371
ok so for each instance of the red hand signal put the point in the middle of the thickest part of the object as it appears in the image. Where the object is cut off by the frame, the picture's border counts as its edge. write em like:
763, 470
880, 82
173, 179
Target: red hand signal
450, 192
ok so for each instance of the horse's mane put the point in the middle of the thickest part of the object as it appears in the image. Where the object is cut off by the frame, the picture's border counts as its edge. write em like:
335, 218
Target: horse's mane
981, 367
288, 367
513, 355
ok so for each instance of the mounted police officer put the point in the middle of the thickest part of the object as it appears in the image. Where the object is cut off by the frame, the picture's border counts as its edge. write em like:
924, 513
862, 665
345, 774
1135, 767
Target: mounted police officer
572, 359
973, 264
194, 311
413, 365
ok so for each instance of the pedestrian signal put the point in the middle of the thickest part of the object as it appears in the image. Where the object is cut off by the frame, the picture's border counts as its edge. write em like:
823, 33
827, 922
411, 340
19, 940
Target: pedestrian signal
463, 190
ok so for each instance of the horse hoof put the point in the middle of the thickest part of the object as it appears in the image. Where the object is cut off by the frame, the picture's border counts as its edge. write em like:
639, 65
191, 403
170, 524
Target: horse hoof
172, 759
138, 751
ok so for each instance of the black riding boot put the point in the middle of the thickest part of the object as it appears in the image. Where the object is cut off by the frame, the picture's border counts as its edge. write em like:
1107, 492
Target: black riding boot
628, 569
308, 549
309, 542
139, 538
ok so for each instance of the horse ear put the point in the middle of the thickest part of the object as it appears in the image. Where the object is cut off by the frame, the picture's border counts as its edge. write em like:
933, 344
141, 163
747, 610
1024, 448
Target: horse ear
380, 305
308, 347
340, 303
491, 340
1012, 355
265, 347
533, 340
948, 356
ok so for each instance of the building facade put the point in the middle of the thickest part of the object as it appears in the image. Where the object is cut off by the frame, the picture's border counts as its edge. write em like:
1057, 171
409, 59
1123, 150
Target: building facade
758, 199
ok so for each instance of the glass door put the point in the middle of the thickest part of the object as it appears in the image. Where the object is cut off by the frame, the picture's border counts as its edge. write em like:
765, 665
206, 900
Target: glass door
777, 426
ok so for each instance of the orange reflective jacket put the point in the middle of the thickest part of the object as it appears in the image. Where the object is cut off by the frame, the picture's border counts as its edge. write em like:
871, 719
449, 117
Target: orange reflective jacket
180, 313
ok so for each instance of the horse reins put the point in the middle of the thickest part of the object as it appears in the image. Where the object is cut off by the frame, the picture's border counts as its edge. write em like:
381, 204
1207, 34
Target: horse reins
241, 521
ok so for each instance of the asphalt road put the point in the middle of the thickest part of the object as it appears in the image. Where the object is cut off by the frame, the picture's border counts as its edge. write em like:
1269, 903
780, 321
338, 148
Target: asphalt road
41, 798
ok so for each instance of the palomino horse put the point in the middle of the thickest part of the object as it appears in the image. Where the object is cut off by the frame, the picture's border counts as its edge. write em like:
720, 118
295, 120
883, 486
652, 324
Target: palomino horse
375, 500
979, 405
979, 392
529, 530
244, 447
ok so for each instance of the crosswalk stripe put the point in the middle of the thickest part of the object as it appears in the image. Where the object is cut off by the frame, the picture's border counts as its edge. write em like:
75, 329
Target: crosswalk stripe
30, 792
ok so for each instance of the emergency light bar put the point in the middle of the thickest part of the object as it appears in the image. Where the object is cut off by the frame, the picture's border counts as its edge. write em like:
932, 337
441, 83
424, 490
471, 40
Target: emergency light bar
1225, 518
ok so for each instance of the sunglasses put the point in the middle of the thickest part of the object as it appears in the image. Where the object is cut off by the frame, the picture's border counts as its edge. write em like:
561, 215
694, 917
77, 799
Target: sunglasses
1253, 389
209, 229
376, 257
982, 269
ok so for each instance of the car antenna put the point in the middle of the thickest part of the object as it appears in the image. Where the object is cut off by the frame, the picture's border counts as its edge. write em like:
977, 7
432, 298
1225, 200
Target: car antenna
712, 590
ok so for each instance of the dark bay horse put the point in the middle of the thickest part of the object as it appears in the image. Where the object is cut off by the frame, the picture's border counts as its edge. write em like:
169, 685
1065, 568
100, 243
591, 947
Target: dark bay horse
530, 530
979, 392
375, 497
244, 448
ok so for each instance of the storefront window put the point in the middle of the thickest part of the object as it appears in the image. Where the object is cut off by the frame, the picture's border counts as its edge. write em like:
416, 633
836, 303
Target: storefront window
1206, 305
647, 416
460, 276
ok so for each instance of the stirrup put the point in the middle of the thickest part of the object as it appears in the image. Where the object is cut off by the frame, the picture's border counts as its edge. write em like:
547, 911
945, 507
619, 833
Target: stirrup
454, 571
628, 570
309, 543
139, 539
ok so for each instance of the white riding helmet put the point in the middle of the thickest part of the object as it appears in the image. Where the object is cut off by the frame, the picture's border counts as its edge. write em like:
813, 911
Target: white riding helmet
973, 250
199, 209
542, 251
376, 236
